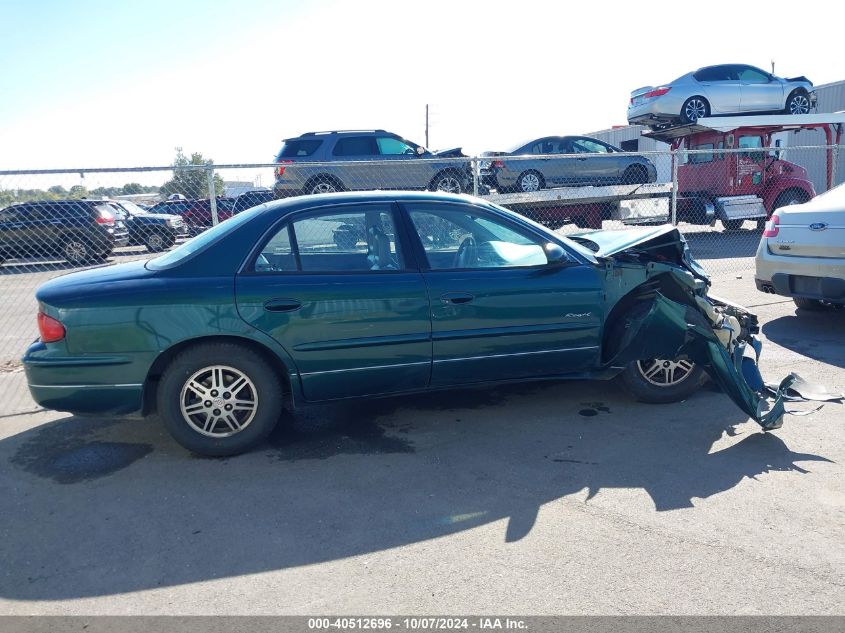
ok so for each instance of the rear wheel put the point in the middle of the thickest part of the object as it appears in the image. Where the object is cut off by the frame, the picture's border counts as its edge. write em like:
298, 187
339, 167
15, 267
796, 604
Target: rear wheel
529, 181
693, 109
732, 225
157, 242
634, 175
76, 252
811, 305
323, 184
219, 399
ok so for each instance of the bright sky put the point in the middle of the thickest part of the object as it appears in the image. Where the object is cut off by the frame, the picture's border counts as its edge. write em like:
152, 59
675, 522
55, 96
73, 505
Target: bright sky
94, 83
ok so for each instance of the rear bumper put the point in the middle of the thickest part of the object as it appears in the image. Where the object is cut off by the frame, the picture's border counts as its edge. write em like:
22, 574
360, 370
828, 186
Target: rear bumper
792, 276
83, 385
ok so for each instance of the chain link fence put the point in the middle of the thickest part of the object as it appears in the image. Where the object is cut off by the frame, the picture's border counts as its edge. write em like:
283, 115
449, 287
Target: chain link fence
57, 221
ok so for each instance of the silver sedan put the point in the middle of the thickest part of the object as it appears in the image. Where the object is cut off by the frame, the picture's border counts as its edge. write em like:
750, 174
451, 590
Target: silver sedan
725, 89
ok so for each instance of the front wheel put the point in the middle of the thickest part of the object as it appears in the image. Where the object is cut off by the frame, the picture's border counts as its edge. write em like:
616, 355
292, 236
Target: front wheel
660, 381
219, 399
448, 182
798, 103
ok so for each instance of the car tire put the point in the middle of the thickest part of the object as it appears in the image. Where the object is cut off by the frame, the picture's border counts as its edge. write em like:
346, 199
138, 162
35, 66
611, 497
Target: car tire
157, 242
448, 182
732, 225
811, 305
643, 387
207, 429
323, 184
797, 103
644, 381
530, 181
694, 108
76, 252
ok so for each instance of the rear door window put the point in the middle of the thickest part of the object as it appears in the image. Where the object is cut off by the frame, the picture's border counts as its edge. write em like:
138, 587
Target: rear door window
356, 146
715, 73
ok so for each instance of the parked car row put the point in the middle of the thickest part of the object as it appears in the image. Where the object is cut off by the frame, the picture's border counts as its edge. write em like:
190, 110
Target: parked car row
347, 160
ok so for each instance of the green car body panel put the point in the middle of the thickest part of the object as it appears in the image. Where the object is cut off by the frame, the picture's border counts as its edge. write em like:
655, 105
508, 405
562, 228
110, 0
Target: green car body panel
353, 334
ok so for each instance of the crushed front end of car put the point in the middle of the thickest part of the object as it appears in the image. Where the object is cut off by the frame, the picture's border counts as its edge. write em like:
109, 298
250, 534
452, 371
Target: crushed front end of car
662, 293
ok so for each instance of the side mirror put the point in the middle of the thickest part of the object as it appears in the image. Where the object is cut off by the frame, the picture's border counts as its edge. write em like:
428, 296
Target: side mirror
555, 253
420, 150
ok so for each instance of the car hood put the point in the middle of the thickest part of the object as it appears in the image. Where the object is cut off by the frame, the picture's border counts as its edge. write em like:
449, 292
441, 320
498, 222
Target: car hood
664, 244
453, 152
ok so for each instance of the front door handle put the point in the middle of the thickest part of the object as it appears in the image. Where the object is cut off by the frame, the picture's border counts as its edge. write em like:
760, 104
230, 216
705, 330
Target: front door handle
282, 305
456, 297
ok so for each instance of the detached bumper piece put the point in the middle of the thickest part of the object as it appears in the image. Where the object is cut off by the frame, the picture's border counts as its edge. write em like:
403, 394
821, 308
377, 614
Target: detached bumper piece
670, 329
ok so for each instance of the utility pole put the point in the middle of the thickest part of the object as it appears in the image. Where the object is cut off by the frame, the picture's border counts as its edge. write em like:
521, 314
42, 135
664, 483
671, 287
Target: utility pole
773, 67
426, 125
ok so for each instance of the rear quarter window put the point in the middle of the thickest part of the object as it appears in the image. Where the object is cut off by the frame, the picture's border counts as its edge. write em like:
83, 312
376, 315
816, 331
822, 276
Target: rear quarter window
298, 148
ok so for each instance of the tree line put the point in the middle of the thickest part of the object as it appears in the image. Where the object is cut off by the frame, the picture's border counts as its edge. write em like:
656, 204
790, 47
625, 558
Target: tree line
191, 183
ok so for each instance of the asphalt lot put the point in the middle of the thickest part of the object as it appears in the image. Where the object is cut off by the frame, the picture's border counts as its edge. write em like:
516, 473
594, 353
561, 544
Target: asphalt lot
547, 498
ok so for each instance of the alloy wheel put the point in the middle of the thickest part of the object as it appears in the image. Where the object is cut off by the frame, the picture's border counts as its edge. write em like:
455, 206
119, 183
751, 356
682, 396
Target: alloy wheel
449, 184
323, 187
665, 373
529, 182
155, 242
76, 251
695, 109
799, 104
218, 401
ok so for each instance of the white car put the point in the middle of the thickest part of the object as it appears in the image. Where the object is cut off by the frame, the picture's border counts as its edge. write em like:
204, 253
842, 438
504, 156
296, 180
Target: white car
802, 252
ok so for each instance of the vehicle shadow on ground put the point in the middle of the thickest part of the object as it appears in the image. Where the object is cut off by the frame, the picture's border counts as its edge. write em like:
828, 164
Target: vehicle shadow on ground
725, 244
46, 265
817, 335
95, 507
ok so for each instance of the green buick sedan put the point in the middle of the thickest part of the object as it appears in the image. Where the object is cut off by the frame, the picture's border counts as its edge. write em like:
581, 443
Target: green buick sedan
340, 296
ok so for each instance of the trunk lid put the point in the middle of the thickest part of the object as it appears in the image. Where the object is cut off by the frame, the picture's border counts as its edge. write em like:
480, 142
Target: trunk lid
813, 229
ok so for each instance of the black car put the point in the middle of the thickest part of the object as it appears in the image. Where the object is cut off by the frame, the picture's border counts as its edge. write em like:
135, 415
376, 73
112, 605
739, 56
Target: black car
156, 231
250, 199
176, 207
80, 231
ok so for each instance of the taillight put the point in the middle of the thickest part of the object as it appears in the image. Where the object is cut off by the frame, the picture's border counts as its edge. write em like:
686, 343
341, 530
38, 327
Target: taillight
104, 217
280, 171
50, 329
498, 164
772, 227
658, 92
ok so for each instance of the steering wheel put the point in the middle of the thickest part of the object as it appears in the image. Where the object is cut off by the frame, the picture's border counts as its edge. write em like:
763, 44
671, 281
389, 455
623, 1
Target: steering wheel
410, 151
467, 255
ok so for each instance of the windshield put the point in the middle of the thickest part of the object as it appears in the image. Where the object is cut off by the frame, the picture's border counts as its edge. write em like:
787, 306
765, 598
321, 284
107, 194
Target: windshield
201, 241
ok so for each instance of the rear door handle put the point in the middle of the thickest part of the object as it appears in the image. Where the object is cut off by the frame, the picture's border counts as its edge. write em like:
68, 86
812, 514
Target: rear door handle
282, 305
456, 297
